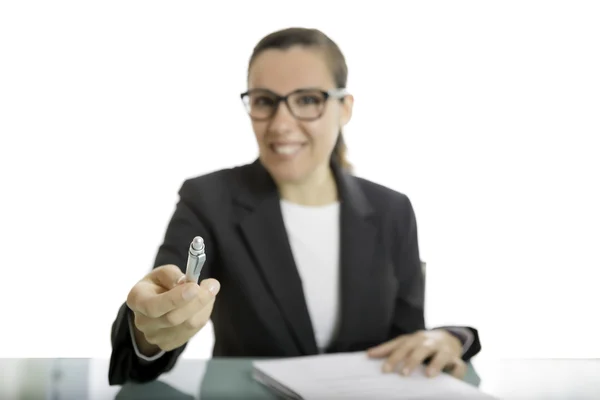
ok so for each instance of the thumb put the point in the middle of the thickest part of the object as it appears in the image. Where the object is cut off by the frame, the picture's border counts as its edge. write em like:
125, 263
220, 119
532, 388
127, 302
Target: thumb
166, 276
212, 285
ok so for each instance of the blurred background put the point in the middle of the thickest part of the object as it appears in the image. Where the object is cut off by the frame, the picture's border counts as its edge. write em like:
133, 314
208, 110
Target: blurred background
486, 114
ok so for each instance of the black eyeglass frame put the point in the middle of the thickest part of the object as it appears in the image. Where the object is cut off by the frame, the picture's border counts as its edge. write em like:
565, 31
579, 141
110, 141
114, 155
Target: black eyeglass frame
337, 93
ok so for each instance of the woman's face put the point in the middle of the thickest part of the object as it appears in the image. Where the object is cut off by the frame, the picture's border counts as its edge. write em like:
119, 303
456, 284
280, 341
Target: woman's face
294, 149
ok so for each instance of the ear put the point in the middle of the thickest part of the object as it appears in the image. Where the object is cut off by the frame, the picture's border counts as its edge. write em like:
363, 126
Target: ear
346, 109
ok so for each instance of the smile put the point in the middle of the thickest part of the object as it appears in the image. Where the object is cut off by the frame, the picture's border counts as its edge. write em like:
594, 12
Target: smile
288, 149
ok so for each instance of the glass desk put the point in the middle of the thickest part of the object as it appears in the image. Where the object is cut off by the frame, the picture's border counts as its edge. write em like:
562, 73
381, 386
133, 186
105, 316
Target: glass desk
87, 379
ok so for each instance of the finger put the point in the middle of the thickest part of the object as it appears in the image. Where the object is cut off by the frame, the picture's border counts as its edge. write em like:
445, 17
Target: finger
160, 337
175, 339
399, 354
440, 361
156, 305
417, 356
145, 324
386, 348
197, 322
212, 285
175, 343
166, 276
458, 368
204, 298
171, 338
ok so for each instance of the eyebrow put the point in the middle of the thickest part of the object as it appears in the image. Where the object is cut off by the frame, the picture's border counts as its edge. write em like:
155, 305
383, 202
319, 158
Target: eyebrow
306, 88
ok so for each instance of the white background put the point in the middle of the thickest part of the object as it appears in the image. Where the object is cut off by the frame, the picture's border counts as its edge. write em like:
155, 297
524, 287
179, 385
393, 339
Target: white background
486, 114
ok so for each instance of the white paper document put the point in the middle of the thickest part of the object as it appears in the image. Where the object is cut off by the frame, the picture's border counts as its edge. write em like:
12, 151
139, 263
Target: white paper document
355, 376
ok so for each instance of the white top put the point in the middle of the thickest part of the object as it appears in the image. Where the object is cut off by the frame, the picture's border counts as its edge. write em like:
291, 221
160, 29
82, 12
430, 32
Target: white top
313, 232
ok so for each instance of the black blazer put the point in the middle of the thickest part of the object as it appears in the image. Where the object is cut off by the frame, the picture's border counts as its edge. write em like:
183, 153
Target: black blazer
260, 310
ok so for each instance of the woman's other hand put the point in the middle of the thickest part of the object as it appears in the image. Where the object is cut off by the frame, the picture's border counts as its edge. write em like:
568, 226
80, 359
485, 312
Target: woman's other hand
408, 352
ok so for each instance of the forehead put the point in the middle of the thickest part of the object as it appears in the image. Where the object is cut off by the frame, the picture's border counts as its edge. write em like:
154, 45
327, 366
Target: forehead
283, 71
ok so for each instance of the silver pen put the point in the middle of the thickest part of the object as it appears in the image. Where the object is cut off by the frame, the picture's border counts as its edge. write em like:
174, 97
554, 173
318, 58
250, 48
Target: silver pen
196, 259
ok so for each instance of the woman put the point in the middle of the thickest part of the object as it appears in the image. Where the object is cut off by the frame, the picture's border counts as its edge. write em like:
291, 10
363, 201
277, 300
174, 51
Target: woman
302, 256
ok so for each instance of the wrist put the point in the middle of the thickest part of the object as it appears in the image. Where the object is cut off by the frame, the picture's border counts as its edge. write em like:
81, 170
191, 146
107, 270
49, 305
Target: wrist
143, 349
147, 349
454, 343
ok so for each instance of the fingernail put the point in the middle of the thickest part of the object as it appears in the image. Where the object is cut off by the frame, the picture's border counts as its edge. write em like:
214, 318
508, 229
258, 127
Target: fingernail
189, 293
387, 367
214, 288
180, 280
405, 371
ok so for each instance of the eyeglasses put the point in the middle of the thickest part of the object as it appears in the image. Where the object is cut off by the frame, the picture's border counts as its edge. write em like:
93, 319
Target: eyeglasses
303, 104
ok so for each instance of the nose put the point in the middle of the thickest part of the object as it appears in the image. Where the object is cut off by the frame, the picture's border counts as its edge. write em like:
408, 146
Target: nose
282, 120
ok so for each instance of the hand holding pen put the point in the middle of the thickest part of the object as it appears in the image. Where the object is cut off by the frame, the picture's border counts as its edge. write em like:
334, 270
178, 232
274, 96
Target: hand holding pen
169, 307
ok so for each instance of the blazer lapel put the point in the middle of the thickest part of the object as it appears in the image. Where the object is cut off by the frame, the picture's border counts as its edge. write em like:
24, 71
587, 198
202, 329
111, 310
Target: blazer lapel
264, 230
358, 240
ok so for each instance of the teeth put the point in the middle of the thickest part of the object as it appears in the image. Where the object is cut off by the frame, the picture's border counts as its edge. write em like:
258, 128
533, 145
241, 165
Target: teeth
286, 149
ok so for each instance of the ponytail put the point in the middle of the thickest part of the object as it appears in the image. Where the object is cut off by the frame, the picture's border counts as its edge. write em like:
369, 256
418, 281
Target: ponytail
340, 152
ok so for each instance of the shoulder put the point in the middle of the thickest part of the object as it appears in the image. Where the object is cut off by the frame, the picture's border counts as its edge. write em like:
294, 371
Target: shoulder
384, 199
213, 185
393, 208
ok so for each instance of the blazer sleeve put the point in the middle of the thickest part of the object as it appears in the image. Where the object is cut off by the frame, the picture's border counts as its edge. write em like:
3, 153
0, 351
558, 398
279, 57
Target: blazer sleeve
409, 315
185, 223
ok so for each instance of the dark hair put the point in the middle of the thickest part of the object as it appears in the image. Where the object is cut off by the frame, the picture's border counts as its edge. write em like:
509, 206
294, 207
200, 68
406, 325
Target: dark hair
312, 38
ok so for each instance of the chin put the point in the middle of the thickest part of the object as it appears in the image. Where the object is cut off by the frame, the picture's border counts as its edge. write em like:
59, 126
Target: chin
286, 172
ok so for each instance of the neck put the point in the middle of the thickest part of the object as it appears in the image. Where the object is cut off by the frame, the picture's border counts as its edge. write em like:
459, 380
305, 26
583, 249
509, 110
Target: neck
317, 190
